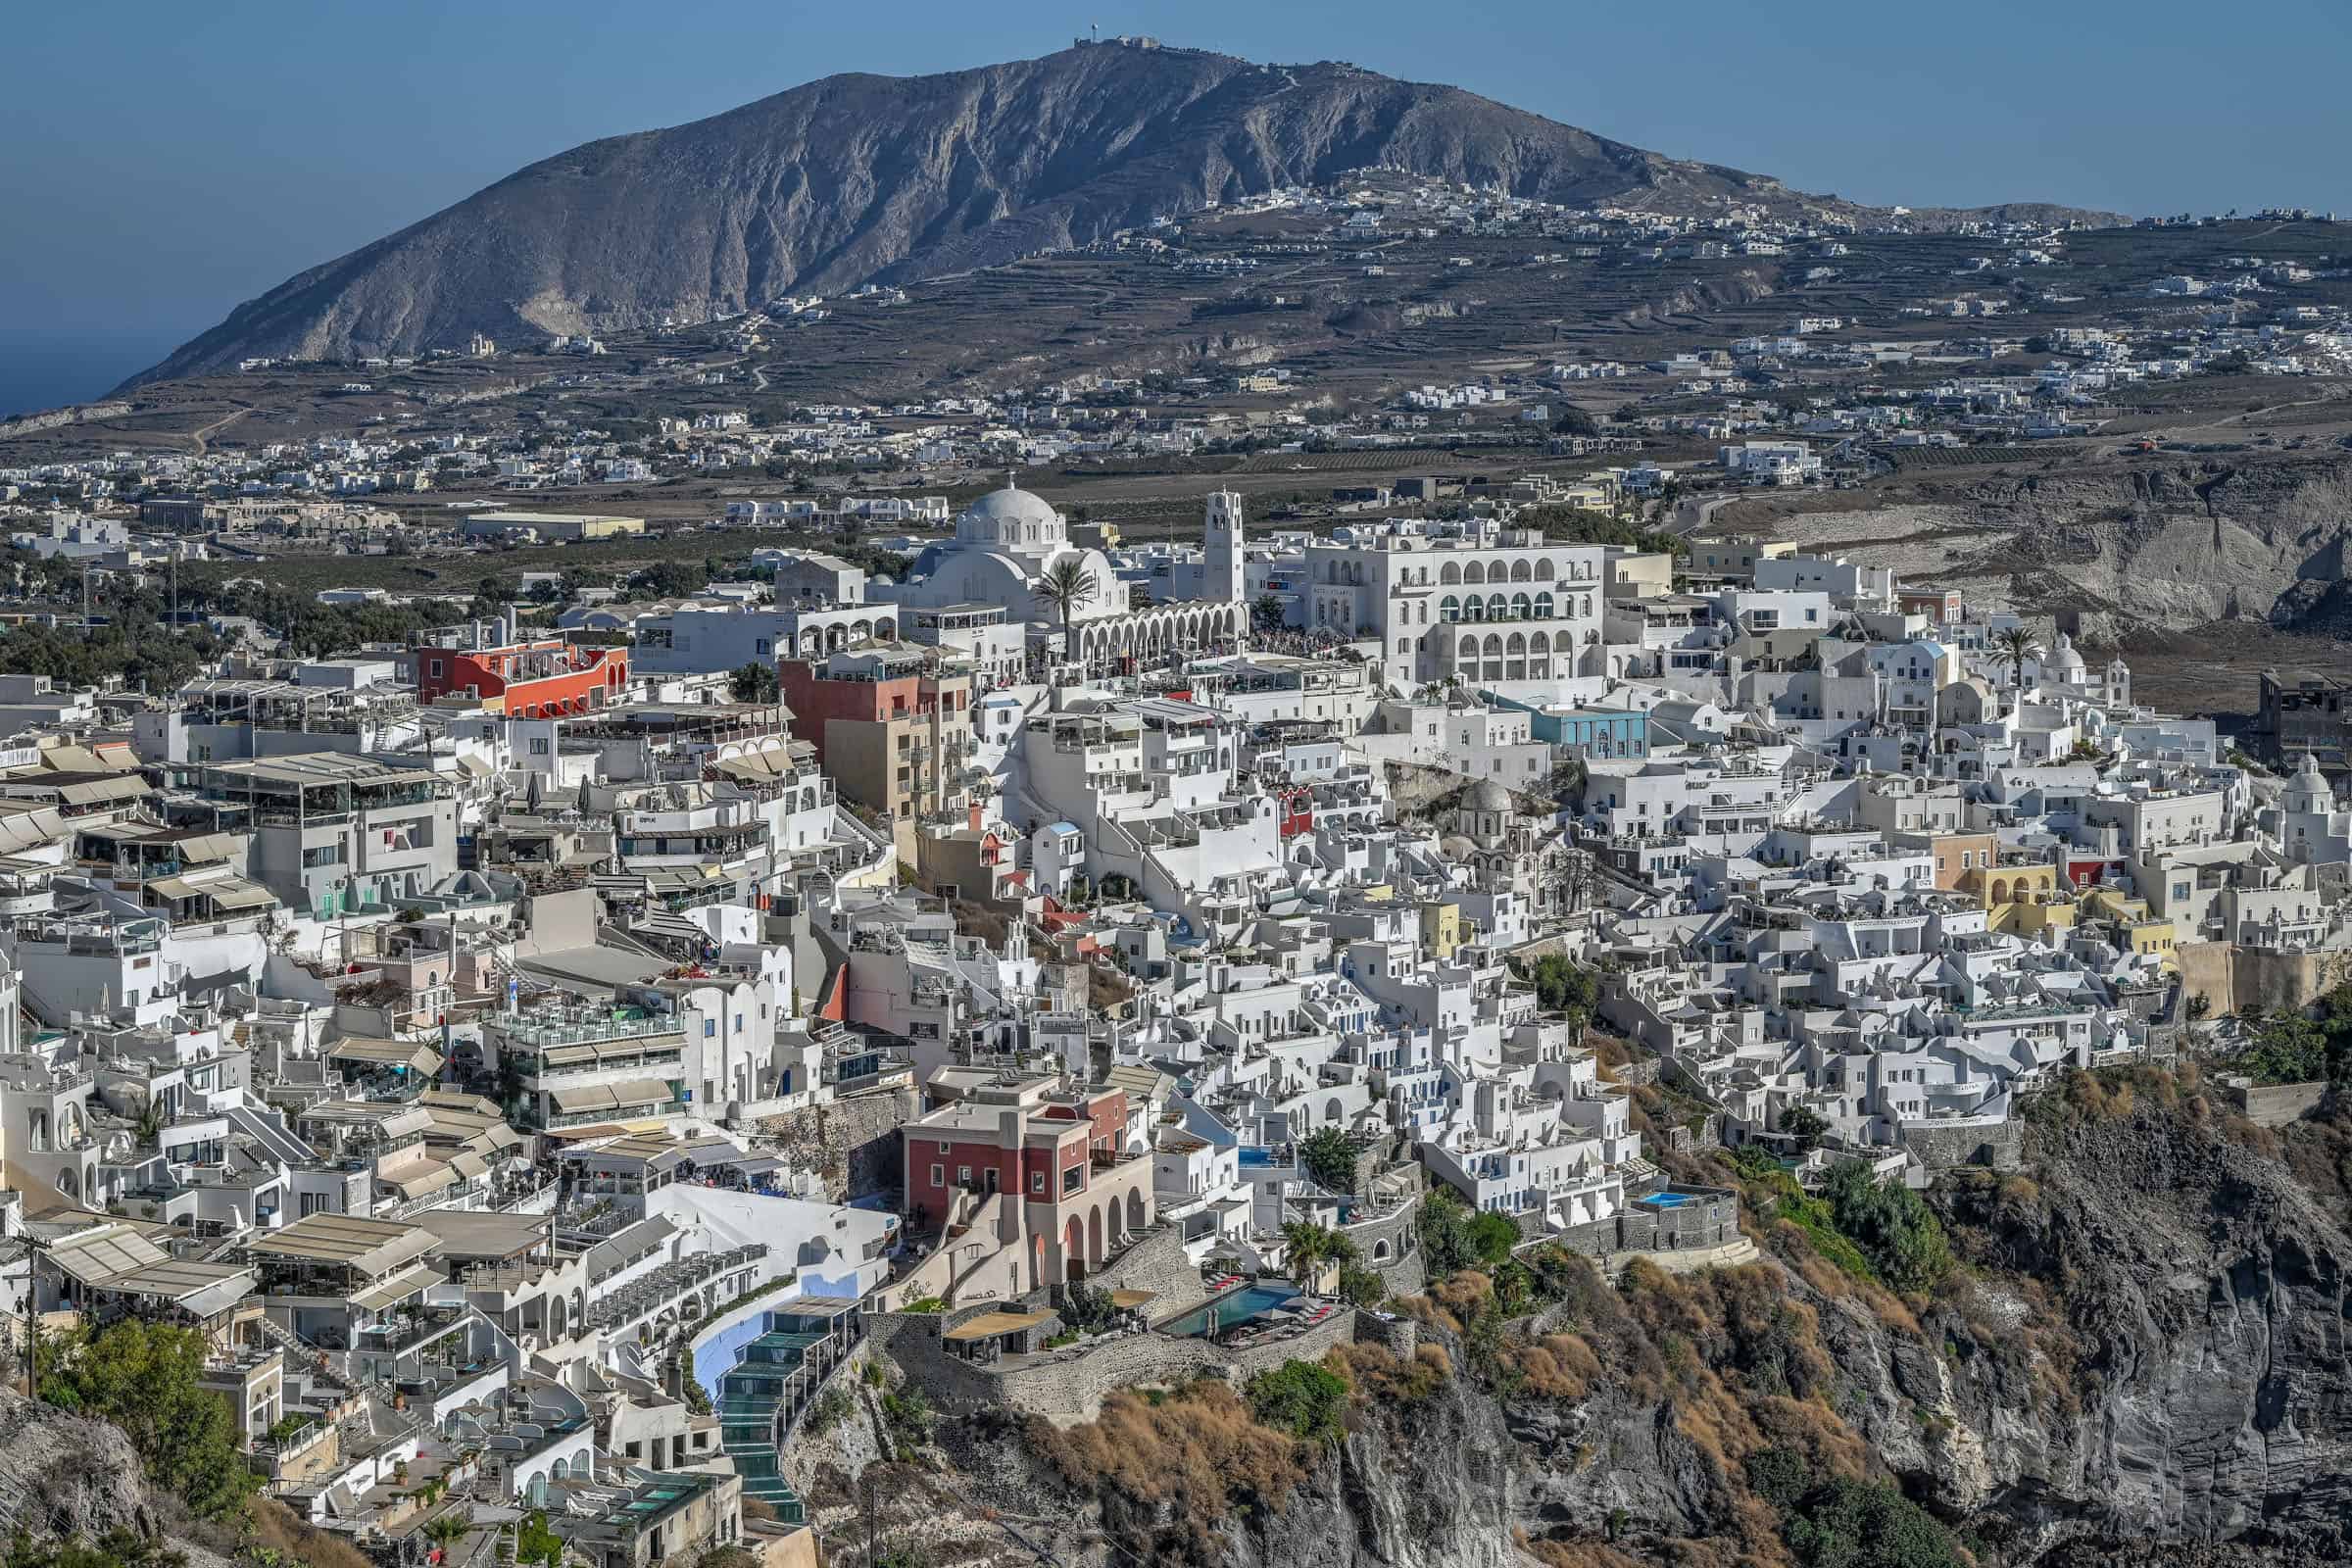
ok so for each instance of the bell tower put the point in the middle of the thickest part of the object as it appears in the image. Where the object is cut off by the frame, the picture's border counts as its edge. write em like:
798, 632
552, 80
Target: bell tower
1221, 581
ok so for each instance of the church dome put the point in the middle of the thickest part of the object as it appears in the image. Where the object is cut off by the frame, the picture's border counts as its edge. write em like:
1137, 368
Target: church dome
2063, 657
1487, 796
1012, 504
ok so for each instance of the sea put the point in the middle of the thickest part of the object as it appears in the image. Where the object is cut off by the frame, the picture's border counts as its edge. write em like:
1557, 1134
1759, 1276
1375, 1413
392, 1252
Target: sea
42, 368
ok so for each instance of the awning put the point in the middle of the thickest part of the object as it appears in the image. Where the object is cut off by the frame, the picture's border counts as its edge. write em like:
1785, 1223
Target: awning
414, 1280
427, 1180
468, 1166
387, 1053
101, 791
641, 1091
991, 1325
234, 892
1127, 1300
587, 1097
206, 847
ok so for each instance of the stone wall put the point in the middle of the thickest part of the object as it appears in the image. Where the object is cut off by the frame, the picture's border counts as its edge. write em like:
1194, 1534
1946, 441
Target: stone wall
1709, 1222
2230, 977
1070, 1384
852, 1146
2000, 1146
1157, 1264
2277, 1105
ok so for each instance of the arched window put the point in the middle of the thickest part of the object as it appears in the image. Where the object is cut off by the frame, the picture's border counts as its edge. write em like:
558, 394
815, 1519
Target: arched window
1543, 605
1544, 570
1522, 606
1476, 571
1474, 608
1498, 607
1449, 572
1449, 608
1522, 570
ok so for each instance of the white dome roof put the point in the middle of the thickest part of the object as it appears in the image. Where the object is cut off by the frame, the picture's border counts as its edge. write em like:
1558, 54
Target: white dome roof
1012, 504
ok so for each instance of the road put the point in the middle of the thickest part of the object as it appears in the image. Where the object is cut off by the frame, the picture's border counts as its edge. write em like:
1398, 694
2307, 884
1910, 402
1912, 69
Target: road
1692, 514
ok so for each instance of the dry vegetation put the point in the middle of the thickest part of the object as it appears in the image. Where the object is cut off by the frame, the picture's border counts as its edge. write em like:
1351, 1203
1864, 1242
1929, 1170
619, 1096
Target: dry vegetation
1180, 1464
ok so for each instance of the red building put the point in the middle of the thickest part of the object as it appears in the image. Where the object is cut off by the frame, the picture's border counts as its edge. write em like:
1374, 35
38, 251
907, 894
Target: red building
1081, 1198
542, 679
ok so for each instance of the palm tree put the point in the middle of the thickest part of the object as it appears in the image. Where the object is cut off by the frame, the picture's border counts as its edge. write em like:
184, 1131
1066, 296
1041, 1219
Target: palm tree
1069, 588
1311, 1245
2015, 645
446, 1530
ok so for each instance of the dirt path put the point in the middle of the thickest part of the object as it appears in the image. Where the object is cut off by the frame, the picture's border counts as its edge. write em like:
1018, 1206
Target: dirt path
204, 434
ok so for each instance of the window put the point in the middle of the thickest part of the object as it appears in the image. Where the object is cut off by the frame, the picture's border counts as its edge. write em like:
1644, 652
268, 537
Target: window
538, 746
963, 1175
709, 1028
437, 666
1037, 1183
939, 1175
1073, 1179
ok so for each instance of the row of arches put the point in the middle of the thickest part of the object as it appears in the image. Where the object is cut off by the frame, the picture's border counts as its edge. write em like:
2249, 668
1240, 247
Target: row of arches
1162, 630
1516, 568
817, 640
1090, 1237
1524, 656
1521, 605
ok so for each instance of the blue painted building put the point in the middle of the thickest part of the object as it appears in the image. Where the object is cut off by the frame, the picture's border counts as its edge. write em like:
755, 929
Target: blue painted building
1592, 731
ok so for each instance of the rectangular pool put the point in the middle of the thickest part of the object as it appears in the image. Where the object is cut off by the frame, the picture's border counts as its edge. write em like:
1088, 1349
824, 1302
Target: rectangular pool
1668, 1200
1245, 1305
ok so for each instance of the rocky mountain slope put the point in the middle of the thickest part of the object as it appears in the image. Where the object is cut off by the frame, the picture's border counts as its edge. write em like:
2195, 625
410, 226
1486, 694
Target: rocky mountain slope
2142, 1360
856, 177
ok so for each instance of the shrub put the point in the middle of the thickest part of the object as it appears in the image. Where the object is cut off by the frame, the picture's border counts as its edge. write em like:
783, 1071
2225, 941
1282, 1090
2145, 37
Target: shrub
1375, 1376
1300, 1398
1864, 1524
1194, 1450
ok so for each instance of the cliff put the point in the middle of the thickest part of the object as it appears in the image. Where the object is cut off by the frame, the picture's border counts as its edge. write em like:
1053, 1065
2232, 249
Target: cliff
61, 1476
2141, 1360
2168, 541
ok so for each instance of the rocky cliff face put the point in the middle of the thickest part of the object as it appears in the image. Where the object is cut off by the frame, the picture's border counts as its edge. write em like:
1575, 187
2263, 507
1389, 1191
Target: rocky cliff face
859, 176
2147, 1364
63, 1477
2172, 544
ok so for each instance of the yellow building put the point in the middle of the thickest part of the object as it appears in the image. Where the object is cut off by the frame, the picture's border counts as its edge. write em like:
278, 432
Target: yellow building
1441, 929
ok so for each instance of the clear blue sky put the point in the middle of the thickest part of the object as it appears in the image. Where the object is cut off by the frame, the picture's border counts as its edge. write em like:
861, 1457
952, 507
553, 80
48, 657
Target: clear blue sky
169, 161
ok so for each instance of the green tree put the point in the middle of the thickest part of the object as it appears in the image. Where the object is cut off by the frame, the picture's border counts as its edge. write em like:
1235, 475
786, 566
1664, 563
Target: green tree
672, 579
1891, 1224
1562, 988
1265, 611
1361, 1287
754, 683
1804, 1126
1068, 587
534, 1542
143, 1378
1300, 1398
1327, 1155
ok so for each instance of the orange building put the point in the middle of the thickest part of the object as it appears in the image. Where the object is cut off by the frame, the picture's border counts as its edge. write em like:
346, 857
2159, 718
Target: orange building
542, 679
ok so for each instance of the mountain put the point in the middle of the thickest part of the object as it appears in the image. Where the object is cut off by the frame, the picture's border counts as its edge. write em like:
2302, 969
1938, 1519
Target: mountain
858, 178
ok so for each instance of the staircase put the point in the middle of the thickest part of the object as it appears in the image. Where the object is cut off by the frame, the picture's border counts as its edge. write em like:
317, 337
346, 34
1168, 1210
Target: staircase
763, 1396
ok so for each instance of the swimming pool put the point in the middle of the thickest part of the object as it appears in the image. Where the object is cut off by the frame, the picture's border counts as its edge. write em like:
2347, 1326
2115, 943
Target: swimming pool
1668, 1200
1245, 1305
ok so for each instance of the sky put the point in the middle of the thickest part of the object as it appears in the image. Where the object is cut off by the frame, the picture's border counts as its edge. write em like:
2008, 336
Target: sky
167, 161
